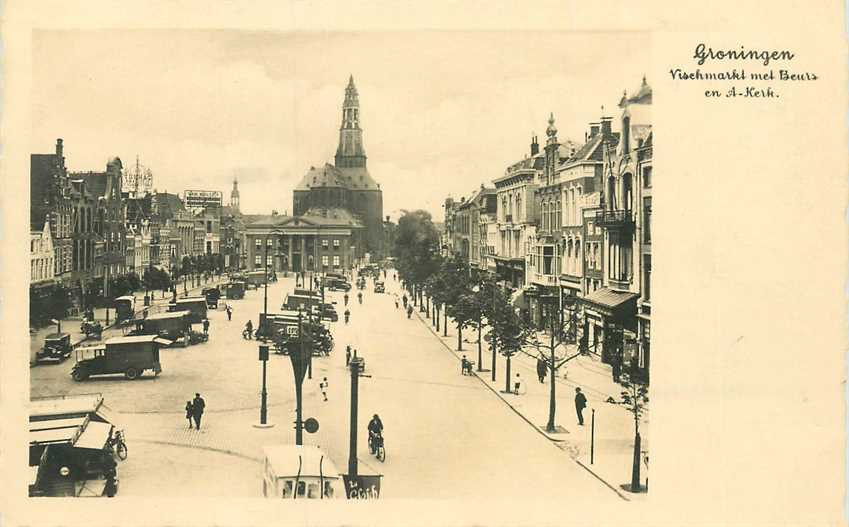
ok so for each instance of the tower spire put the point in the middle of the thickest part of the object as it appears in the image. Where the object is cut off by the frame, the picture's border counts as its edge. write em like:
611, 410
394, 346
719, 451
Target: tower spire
350, 152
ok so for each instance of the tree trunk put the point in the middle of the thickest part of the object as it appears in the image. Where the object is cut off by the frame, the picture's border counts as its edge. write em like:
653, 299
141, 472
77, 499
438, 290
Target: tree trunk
480, 350
635, 469
552, 408
507, 377
436, 310
427, 310
493, 345
459, 337
445, 321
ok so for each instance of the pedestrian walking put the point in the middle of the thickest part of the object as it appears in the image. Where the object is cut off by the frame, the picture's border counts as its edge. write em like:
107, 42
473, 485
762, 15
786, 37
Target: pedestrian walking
542, 367
517, 384
616, 367
189, 412
404, 300
198, 406
229, 312
348, 355
409, 311
347, 315
249, 330
360, 297
346, 298
323, 386
206, 326
580, 404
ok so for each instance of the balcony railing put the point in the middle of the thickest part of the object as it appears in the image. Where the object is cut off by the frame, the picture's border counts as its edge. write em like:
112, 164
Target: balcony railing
614, 218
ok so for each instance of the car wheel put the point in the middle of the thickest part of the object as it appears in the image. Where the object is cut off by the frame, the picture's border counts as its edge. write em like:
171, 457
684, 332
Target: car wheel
79, 375
132, 373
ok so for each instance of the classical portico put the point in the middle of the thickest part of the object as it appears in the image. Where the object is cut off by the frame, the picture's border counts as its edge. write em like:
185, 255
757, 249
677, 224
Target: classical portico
328, 241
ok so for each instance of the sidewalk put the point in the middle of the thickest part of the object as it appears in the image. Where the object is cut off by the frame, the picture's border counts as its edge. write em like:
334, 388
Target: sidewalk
71, 325
613, 450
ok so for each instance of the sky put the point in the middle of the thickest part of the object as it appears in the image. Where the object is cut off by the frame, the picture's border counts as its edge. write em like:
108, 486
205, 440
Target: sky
441, 112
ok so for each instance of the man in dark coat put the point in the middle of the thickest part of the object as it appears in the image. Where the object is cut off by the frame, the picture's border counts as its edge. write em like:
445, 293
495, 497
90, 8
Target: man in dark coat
198, 405
580, 404
542, 367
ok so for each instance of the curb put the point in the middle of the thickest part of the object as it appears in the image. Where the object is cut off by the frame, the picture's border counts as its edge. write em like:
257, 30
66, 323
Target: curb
536, 428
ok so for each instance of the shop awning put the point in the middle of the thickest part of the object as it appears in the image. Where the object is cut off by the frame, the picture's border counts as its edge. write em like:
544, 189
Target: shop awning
94, 436
610, 302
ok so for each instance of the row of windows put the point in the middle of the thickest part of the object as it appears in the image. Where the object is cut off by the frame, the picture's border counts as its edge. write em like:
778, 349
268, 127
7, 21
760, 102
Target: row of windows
41, 269
285, 243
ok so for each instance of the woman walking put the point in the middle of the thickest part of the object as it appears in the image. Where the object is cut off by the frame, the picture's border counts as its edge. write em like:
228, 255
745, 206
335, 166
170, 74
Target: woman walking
189, 411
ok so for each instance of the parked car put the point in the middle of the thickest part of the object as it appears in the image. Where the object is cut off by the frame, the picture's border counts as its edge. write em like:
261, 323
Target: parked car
234, 290
130, 356
328, 312
379, 287
57, 348
172, 326
212, 294
337, 284
125, 308
196, 305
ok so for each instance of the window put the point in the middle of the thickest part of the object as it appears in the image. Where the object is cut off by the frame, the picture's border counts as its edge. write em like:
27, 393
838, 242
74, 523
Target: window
647, 177
325, 244
336, 244
269, 260
302, 488
258, 260
209, 226
336, 261
258, 242
268, 242
647, 278
627, 192
325, 260
313, 491
646, 220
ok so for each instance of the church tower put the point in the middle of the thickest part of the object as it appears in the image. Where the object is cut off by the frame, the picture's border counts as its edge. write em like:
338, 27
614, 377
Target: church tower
350, 153
234, 196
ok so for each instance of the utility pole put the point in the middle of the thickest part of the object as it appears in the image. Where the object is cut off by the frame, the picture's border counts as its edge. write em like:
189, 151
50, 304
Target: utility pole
356, 362
299, 380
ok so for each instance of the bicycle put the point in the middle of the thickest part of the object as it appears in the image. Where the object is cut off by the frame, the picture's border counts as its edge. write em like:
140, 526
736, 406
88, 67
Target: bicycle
375, 445
119, 445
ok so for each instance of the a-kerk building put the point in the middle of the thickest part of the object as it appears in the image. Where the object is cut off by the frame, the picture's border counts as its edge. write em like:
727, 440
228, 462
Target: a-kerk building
337, 211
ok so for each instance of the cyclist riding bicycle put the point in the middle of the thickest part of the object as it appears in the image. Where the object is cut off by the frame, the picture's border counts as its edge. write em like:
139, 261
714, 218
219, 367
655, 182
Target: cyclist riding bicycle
375, 431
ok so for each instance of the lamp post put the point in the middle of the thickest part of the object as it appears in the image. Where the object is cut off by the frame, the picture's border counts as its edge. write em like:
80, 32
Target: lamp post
263, 408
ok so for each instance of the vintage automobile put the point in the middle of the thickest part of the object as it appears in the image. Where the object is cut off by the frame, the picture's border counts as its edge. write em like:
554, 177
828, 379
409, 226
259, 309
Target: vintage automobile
379, 287
195, 305
234, 290
172, 325
296, 300
129, 356
125, 308
328, 312
57, 348
71, 442
212, 295
255, 279
300, 472
337, 284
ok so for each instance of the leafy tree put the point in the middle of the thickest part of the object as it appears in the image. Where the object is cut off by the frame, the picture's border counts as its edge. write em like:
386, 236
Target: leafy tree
508, 332
416, 245
133, 281
464, 312
635, 397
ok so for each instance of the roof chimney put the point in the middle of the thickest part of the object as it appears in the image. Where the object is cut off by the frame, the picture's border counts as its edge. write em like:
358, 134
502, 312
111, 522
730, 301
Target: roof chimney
59, 149
594, 128
534, 146
605, 125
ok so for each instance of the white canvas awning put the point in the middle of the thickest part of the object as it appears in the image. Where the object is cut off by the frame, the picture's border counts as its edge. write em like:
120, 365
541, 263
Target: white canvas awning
94, 436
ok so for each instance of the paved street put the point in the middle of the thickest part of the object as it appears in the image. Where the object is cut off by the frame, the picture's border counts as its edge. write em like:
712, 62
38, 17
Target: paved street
447, 436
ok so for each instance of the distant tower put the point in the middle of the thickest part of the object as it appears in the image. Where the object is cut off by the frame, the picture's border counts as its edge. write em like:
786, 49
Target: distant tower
350, 152
234, 195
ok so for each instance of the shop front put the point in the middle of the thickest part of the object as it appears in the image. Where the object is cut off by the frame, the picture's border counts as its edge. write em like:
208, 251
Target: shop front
610, 324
